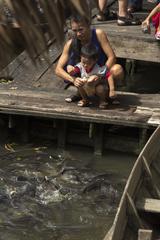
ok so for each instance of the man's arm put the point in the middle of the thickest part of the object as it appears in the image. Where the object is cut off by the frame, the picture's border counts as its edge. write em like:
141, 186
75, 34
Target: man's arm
59, 71
105, 44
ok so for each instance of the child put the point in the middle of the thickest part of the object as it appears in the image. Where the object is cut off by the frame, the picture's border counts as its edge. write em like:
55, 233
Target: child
93, 77
155, 17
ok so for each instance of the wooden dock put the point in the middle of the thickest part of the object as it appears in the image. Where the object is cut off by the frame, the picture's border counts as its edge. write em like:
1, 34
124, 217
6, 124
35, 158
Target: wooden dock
36, 91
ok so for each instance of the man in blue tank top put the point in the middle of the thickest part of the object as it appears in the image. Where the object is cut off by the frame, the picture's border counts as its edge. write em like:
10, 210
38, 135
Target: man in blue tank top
84, 34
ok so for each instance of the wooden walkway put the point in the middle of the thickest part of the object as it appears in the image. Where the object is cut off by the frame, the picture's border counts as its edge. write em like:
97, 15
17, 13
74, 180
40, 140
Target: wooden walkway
130, 42
36, 91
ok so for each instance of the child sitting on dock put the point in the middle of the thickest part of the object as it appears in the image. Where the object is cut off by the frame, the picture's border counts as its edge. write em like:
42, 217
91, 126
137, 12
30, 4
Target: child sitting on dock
94, 77
155, 17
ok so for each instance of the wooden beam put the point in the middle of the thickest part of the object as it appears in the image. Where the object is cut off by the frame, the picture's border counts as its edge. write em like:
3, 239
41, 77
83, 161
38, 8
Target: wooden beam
109, 234
142, 137
140, 47
154, 190
62, 128
144, 234
149, 205
133, 212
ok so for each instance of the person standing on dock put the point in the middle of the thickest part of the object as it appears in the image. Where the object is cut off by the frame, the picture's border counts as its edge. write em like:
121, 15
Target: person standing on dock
83, 34
154, 16
123, 19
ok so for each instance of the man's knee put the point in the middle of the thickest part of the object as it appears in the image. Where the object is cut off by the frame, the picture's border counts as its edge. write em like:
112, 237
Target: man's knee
117, 72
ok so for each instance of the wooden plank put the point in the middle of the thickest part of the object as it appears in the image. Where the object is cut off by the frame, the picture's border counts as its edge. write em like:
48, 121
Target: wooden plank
154, 119
154, 190
25, 73
130, 42
62, 130
109, 234
148, 205
142, 137
55, 109
135, 218
51, 104
144, 234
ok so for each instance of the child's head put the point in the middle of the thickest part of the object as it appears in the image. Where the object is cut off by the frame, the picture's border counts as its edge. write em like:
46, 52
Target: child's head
89, 56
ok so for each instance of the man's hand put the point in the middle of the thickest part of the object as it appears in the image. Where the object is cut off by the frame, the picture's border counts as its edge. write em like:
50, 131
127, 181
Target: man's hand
79, 82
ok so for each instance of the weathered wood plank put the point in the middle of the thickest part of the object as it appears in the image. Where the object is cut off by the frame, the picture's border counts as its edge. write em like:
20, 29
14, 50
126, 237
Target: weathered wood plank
152, 186
133, 212
144, 234
41, 103
149, 205
130, 42
25, 73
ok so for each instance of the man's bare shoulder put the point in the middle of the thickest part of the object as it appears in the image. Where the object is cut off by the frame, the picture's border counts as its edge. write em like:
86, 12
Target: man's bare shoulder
101, 35
99, 32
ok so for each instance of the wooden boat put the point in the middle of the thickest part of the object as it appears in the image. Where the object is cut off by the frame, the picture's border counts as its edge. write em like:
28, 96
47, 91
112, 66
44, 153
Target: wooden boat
138, 215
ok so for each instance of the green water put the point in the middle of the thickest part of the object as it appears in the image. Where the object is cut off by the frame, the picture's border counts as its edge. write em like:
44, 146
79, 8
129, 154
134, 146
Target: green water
46, 194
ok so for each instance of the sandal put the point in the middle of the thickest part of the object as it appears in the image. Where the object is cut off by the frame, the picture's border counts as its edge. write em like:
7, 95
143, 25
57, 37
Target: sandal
107, 15
157, 35
103, 105
113, 100
83, 103
73, 98
128, 21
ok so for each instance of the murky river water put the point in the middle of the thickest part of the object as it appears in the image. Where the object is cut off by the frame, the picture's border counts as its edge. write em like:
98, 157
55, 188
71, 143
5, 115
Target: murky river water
48, 195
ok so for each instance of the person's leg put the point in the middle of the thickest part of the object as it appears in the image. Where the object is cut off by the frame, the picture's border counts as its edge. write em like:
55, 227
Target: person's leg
84, 101
117, 72
102, 7
122, 11
102, 4
124, 19
102, 93
112, 93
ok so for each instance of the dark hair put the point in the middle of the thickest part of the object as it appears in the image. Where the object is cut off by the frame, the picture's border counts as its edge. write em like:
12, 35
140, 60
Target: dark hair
89, 51
80, 19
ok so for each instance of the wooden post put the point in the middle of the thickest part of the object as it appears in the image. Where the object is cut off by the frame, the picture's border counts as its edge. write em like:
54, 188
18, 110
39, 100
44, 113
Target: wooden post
98, 139
91, 130
24, 134
144, 234
130, 69
142, 137
11, 121
61, 135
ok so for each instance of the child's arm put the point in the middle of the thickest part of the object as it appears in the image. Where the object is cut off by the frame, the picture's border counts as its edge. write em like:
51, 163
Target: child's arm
149, 17
100, 73
92, 78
